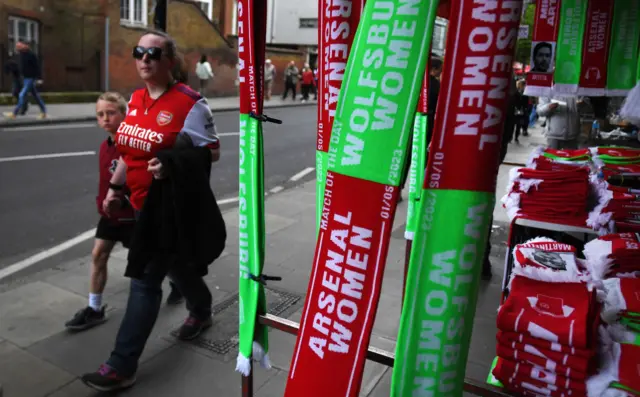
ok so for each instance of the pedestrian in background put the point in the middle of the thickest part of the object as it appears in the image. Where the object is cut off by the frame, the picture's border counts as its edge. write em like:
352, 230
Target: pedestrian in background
315, 84
521, 110
204, 73
291, 77
307, 82
179, 228
32, 76
562, 121
269, 76
12, 68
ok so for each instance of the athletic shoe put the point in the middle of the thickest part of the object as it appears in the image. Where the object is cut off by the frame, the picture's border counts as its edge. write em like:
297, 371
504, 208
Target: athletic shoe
9, 115
42, 116
193, 327
86, 318
106, 379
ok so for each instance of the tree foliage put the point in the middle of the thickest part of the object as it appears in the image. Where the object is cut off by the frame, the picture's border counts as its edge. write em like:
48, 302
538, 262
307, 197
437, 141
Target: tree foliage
523, 48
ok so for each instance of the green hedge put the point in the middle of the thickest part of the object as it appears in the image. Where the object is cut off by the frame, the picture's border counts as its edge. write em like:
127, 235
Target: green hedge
56, 97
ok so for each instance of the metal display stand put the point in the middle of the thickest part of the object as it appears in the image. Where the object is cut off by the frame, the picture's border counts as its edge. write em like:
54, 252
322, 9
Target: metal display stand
374, 354
516, 236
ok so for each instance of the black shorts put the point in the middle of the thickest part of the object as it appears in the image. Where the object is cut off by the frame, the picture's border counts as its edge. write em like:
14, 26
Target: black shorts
119, 232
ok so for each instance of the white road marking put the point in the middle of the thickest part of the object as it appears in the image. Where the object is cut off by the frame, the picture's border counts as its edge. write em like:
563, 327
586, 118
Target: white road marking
276, 189
302, 173
89, 234
76, 126
51, 127
46, 156
25, 263
228, 200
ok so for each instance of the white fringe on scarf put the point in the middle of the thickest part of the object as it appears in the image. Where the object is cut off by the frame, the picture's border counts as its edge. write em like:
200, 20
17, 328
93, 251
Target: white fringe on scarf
243, 364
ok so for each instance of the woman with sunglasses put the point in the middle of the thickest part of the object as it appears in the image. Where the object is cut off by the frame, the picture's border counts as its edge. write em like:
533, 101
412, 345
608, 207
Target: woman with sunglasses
160, 115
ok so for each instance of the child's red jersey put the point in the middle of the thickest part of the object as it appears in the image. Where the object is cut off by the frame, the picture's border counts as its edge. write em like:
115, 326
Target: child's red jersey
107, 162
153, 125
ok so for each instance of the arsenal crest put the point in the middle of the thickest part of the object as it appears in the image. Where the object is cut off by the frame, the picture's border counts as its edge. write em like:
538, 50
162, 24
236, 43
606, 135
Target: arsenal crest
164, 118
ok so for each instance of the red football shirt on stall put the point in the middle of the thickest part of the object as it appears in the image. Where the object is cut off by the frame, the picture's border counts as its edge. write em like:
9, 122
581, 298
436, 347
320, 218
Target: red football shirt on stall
154, 124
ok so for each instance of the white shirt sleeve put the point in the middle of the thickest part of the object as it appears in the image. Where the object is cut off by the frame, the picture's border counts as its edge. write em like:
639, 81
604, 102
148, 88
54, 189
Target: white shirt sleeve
200, 127
207, 65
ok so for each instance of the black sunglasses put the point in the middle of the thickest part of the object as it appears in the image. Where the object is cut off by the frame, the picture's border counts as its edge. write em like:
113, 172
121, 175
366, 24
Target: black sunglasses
154, 53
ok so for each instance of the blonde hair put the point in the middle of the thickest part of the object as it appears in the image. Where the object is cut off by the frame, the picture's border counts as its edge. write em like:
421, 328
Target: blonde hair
116, 99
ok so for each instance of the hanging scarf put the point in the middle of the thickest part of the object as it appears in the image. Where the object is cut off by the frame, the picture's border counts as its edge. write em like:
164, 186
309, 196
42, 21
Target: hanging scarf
376, 107
623, 54
418, 158
336, 30
595, 52
543, 45
458, 200
569, 49
251, 54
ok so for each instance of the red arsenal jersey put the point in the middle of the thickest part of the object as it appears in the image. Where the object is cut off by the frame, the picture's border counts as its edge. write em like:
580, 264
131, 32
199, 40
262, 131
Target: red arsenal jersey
154, 124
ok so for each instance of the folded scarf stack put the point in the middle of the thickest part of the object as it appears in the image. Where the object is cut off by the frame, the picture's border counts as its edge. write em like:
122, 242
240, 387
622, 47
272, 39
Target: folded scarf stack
549, 196
613, 255
545, 159
618, 186
620, 372
547, 326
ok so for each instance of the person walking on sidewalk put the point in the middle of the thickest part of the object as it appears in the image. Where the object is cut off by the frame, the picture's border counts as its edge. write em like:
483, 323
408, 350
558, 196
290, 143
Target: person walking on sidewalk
12, 68
291, 76
204, 73
269, 76
307, 82
167, 142
111, 110
31, 73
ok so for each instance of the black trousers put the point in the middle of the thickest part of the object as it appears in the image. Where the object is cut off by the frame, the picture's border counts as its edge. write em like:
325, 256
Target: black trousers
289, 86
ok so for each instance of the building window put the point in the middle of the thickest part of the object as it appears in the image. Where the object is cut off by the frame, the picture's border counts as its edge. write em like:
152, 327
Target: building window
22, 29
308, 23
133, 12
234, 18
439, 36
207, 7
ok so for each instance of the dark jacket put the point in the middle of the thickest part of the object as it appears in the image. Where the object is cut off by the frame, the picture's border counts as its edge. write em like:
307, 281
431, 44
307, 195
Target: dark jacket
12, 68
180, 223
29, 65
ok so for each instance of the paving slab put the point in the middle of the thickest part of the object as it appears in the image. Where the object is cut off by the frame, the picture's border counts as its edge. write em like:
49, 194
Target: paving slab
35, 311
82, 352
25, 375
76, 278
75, 389
179, 372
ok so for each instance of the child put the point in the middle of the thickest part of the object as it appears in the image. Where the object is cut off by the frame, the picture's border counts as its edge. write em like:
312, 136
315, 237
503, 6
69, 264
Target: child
111, 109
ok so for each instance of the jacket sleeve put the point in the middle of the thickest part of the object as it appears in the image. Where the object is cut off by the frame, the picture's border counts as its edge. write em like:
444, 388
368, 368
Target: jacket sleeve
543, 106
209, 71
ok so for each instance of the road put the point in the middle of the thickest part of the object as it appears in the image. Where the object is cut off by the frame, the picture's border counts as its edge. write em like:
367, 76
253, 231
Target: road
48, 200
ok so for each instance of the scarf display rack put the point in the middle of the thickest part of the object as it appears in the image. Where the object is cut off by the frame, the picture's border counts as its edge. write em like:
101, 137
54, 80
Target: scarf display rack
472, 386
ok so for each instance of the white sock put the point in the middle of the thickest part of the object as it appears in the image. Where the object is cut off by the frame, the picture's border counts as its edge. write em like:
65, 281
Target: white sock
95, 301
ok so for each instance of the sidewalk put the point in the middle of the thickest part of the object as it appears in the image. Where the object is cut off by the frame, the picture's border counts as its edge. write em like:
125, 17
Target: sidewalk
39, 358
82, 112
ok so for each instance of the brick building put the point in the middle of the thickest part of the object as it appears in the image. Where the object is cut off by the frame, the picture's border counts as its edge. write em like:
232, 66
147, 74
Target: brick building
69, 37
